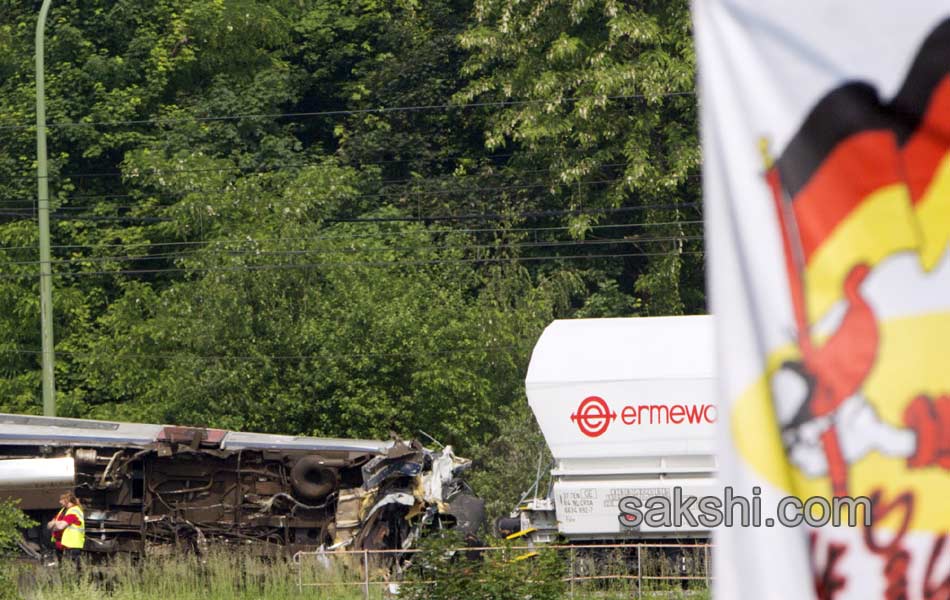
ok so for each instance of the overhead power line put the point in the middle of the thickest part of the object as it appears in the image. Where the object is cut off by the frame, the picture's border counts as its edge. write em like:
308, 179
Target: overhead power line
264, 357
400, 194
344, 162
338, 113
354, 250
426, 218
353, 264
280, 167
524, 215
377, 234
407, 182
31, 216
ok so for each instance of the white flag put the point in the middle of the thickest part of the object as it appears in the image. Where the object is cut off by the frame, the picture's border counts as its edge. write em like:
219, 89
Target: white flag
826, 140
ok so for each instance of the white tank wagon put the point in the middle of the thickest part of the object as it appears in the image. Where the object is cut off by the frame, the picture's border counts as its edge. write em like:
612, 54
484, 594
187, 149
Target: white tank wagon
627, 408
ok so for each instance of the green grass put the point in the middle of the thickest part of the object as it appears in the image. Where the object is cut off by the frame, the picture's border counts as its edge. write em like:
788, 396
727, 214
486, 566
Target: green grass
224, 575
218, 576
627, 589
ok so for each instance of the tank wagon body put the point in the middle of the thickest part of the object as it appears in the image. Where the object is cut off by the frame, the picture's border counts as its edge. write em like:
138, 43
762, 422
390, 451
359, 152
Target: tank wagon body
627, 408
152, 487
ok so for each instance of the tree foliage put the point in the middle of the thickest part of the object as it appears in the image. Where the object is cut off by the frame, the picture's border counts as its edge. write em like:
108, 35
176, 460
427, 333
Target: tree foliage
12, 520
601, 94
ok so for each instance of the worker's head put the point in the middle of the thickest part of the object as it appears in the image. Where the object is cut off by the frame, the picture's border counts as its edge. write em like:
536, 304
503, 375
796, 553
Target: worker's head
68, 499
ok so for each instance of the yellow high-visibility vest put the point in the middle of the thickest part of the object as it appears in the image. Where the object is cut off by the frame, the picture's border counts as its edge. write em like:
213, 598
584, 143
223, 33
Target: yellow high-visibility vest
74, 536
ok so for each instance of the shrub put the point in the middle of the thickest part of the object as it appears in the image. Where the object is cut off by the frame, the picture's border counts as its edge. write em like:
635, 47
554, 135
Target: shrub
12, 520
440, 571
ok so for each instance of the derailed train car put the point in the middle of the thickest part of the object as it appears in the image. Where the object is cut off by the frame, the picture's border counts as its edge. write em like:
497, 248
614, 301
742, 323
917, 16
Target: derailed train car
153, 488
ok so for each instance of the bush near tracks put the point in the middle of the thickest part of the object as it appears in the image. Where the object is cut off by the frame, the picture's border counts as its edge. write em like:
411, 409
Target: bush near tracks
442, 572
10, 519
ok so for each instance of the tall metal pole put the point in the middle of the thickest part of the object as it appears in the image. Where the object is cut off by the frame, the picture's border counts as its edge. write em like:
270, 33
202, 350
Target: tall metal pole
42, 182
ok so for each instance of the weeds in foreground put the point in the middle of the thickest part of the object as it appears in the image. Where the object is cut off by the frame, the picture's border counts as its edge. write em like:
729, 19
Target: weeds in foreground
442, 571
436, 573
219, 575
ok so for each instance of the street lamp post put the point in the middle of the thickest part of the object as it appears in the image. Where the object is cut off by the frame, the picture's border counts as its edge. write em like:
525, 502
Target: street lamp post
42, 181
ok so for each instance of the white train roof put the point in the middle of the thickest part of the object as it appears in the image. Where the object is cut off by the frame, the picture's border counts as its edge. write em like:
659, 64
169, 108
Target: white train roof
57, 431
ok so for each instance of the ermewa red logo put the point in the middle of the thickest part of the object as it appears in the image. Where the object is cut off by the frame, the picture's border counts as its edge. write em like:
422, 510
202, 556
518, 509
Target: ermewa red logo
594, 416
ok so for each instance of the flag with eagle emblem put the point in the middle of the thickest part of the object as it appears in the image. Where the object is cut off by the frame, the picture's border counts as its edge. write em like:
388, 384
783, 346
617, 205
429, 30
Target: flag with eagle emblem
826, 144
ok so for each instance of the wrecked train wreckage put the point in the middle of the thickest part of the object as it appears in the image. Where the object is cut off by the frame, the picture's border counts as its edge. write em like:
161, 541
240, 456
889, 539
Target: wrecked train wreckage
149, 488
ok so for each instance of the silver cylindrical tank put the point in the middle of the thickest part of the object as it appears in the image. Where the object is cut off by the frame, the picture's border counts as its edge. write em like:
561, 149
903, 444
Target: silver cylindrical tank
37, 482
37, 473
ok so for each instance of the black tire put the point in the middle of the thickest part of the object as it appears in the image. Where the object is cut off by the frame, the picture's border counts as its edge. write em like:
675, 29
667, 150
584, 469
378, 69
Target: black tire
312, 480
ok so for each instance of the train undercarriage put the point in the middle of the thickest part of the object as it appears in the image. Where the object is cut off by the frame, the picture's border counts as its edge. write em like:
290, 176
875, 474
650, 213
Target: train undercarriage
155, 489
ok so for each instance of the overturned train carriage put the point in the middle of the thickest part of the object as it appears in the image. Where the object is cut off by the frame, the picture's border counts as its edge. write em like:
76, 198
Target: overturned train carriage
154, 487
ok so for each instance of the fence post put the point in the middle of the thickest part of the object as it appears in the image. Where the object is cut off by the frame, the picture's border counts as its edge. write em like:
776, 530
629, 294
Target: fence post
639, 574
572, 572
706, 564
299, 572
366, 574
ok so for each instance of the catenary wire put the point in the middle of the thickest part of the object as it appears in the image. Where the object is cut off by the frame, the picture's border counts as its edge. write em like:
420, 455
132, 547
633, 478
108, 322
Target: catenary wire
378, 234
31, 203
456, 157
458, 217
272, 169
340, 112
354, 264
414, 192
264, 357
424, 248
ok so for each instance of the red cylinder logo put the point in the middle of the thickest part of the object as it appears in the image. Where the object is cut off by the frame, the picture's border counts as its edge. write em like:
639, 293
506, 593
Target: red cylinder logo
593, 416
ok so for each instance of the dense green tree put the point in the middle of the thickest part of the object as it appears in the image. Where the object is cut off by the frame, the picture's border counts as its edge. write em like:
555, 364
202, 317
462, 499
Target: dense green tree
601, 94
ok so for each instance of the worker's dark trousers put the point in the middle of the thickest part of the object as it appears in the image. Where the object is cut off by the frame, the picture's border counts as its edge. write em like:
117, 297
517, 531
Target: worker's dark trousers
71, 555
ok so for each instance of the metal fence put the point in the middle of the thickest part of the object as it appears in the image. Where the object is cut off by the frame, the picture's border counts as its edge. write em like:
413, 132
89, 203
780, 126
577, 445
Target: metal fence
634, 570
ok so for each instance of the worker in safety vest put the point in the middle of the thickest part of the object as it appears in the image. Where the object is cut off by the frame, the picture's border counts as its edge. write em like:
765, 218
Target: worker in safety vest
68, 528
